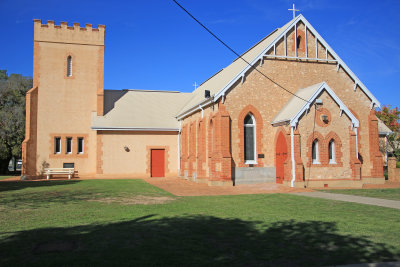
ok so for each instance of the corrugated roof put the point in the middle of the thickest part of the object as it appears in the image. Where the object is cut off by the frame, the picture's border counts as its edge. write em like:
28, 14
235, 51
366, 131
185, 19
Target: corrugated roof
219, 80
382, 128
293, 106
140, 109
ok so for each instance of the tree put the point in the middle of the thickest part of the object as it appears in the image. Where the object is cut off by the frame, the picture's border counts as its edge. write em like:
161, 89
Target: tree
391, 117
13, 89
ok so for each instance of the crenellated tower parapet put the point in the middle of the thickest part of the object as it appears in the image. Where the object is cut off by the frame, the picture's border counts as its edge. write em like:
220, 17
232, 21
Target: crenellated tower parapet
68, 34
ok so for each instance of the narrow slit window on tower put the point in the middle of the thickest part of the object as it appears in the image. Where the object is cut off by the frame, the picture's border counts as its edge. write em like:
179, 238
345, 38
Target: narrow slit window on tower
57, 145
80, 145
68, 145
298, 41
69, 66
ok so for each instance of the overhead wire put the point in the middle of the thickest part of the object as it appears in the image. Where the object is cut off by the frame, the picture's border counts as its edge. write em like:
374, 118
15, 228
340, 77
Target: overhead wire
237, 54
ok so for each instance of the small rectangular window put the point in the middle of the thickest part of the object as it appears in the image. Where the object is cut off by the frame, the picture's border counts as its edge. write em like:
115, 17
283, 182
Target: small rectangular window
80, 145
68, 165
69, 145
57, 145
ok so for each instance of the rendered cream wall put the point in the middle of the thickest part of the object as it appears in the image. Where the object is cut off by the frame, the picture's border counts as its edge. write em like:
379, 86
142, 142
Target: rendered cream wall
136, 162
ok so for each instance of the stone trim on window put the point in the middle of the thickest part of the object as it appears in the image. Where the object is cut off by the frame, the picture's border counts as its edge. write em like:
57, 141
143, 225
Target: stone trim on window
259, 127
323, 150
63, 153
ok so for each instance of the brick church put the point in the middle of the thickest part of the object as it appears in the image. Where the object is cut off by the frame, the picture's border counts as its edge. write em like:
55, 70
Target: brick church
297, 115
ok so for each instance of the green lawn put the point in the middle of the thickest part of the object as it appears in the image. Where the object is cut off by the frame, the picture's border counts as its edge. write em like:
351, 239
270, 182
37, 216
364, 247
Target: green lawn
387, 193
2, 177
129, 222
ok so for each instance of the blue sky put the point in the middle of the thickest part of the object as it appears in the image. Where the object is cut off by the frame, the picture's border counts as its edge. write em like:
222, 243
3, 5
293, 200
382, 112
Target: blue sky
154, 45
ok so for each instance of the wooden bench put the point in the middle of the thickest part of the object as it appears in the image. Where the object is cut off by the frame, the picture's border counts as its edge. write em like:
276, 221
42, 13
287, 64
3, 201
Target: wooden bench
59, 171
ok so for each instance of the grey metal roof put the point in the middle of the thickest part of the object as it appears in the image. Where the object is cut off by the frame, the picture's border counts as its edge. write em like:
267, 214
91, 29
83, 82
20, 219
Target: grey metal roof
139, 109
294, 105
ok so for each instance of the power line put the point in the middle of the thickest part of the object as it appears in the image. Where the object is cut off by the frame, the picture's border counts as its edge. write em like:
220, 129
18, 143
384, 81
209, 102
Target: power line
237, 54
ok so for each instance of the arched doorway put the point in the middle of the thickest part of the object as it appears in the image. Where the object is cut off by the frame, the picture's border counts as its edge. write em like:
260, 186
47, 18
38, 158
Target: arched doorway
281, 155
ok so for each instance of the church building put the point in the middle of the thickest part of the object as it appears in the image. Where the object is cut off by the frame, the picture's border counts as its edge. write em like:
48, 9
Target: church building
288, 111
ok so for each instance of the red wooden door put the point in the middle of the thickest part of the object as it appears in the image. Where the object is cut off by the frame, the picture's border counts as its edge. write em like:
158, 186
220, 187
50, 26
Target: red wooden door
281, 155
157, 163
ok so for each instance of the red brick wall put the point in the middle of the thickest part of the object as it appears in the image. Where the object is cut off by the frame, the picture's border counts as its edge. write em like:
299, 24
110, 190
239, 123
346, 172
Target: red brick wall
375, 155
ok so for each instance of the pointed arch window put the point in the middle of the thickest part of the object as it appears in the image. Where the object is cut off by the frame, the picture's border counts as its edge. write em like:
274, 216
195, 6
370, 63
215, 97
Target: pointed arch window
250, 139
331, 150
69, 66
315, 152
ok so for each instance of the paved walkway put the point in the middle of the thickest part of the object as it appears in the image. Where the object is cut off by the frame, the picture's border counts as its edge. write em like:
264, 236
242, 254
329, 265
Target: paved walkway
395, 204
181, 187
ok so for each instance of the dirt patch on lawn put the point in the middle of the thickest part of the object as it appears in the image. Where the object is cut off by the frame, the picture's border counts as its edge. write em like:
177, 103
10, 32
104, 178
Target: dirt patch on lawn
134, 200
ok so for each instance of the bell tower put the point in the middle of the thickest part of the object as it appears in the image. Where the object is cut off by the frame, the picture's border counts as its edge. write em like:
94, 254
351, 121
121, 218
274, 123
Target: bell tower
68, 73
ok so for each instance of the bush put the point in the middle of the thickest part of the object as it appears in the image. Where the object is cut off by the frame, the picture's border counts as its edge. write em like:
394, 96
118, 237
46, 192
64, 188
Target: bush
398, 164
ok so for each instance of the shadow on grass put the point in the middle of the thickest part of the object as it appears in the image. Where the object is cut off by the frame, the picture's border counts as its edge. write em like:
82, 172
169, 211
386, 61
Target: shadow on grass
18, 185
193, 240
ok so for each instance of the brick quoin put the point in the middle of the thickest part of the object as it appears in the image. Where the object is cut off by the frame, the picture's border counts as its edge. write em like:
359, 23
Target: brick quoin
184, 149
355, 163
375, 155
219, 137
192, 148
201, 148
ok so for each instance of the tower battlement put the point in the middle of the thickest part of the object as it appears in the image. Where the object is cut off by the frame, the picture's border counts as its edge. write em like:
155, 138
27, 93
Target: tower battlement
68, 34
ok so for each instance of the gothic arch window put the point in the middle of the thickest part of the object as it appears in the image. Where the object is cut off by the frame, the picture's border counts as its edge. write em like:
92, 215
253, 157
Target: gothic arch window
331, 150
69, 66
315, 152
250, 139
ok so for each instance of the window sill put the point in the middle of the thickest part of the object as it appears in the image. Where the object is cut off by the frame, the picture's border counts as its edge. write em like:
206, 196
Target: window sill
316, 162
332, 162
250, 162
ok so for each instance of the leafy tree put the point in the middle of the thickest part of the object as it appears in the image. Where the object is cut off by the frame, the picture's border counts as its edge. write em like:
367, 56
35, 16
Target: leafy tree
391, 117
13, 89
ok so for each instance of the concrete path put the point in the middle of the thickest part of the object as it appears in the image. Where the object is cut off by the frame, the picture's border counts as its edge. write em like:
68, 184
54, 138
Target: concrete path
394, 204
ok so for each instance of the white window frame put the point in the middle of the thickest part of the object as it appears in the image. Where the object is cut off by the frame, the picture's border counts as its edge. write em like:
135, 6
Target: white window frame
57, 140
66, 145
316, 160
254, 126
333, 160
83, 145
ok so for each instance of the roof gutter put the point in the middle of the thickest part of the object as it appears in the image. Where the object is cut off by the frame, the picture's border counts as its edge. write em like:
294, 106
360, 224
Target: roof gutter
136, 129
195, 108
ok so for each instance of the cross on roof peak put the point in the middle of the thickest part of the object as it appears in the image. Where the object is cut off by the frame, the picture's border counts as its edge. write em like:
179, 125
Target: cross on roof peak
294, 11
